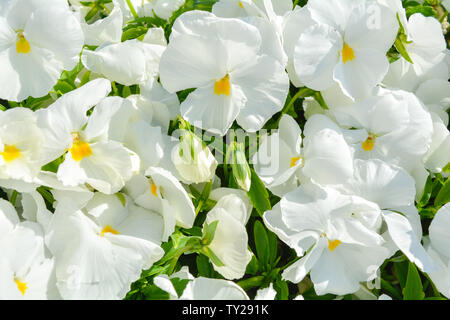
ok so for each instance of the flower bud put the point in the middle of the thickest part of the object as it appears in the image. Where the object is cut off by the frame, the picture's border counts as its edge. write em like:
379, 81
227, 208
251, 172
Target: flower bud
194, 162
239, 166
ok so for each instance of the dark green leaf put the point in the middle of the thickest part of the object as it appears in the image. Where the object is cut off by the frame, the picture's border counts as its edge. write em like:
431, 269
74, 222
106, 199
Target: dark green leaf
413, 289
253, 266
262, 244
258, 194
443, 196
179, 285
282, 289
209, 231
426, 192
401, 271
273, 247
427, 11
153, 292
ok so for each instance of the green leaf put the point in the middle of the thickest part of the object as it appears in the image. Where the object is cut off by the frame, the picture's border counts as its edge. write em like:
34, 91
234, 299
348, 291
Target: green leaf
54, 165
413, 289
253, 266
428, 189
443, 196
134, 33
91, 14
153, 292
400, 40
401, 270
63, 86
258, 194
427, 213
209, 231
402, 50
194, 231
446, 169
386, 286
203, 266
282, 289
203, 198
427, 11
126, 92
273, 247
262, 244
179, 285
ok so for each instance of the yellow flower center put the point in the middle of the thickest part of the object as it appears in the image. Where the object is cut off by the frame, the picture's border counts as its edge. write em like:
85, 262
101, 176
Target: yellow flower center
241, 5
80, 150
154, 189
22, 286
294, 161
109, 229
223, 86
332, 245
369, 143
347, 53
10, 153
22, 45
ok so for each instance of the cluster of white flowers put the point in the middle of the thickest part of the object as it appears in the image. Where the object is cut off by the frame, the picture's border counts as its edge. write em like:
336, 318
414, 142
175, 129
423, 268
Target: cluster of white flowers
98, 180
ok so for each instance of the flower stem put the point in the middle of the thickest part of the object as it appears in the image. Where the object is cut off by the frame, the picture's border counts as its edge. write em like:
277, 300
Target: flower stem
13, 197
133, 11
251, 282
178, 254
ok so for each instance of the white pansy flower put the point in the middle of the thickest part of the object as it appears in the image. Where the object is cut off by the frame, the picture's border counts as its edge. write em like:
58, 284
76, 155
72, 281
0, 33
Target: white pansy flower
34, 209
393, 190
213, 289
165, 106
133, 125
130, 62
434, 94
222, 58
200, 288
268, 293
21, 145
106, 30
267, 15
230, 239
347, 45
121, 239
392, 125
439, 154
336, 235
90, 156
244, 8
438, 249
282, 163
426, 43
161, 192
397, 7
402, 75
245, 201
26, 271
294, 24
37, 42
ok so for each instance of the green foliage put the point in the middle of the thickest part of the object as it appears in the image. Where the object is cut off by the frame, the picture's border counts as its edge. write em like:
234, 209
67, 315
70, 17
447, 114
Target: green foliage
413, 289
258, 194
